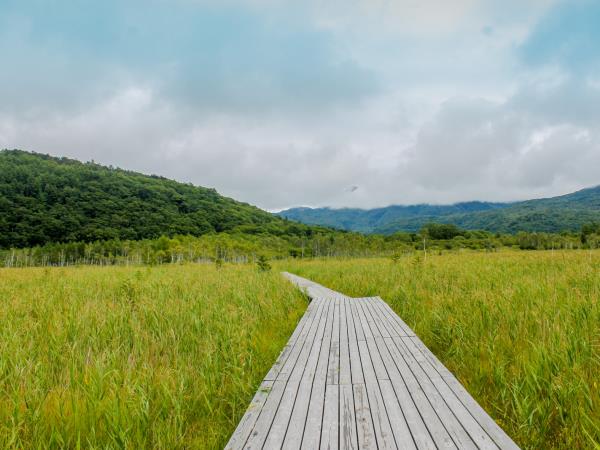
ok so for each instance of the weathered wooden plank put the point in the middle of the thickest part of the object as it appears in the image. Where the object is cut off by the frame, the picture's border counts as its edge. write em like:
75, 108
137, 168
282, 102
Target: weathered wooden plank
360, 334
345, 376
285, 353
287, 367
333, 371
402, 434
364, 422
379, 367
420, 434
355, 364
491, 427
379, 320
303, 371
330, 429
354, 375
265, 419
426, 410
348, 431
295, 430
386, 328
312, 289
450, 421
393, 317
246, 425
362, 319
312, 430
476, 432
381, 422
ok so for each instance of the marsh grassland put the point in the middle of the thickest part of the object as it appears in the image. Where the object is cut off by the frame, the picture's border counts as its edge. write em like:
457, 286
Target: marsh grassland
521, 330
165, 357
170, 356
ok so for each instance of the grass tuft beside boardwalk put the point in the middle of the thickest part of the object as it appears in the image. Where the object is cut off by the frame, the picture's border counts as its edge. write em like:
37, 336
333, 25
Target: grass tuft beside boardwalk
147, 357
520, 330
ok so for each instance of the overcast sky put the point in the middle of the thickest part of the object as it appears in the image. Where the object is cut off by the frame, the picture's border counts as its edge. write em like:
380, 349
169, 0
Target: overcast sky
321, 103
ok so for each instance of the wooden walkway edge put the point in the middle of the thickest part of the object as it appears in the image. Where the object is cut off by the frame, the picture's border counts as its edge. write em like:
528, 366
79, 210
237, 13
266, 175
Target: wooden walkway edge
354, 376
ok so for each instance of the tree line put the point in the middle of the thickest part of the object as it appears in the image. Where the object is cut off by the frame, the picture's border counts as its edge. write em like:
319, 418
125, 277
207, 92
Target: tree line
249, 245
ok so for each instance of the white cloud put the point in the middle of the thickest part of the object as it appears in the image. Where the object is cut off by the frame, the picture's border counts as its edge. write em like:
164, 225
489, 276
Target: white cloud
425, 108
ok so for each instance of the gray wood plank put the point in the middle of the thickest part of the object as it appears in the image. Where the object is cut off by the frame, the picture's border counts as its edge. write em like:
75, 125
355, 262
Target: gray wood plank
362, 319
296, 428
381, 422
491, 427
420, 434
360, 334
246, 425
393, 317
354, 375
379, 367
485, 428
386, 328
333, 372
265, 418
312, 430
451, 423
364, 422
345, 376
312, 289
285, 353
402, 434
426, 410
303, 371
409, 404
348, 431
330, 429
287, 367
476, 432
355, 364
268, 412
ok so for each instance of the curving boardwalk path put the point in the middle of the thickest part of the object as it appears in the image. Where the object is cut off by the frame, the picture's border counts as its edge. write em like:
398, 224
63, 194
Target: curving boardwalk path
354, 376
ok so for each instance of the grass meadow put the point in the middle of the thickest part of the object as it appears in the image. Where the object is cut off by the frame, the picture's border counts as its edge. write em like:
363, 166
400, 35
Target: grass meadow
521, 330
169, 356
151, 357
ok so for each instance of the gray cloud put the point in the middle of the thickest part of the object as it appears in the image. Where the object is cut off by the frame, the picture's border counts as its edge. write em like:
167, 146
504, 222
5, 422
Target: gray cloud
282, 109
200, 58
538, 142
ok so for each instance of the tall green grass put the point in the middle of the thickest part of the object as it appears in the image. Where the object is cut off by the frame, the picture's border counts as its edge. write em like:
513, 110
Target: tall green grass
164, 357
520, 330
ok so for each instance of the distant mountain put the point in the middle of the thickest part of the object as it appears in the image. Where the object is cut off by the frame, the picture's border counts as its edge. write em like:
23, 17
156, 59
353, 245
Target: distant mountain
46, 199
370, 220
556, 214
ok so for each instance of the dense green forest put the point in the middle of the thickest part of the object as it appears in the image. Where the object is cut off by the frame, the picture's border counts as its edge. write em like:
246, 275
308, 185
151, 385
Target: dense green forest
242, 247
57, 211
44, 199
552, 215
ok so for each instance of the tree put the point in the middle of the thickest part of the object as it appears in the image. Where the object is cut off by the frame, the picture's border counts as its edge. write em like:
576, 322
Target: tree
263, 264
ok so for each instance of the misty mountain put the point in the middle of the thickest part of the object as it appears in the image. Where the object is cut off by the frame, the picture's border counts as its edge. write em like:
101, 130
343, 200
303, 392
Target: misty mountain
564, 213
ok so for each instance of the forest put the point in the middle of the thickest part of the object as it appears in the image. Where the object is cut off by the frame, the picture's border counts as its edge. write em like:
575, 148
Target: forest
243, 247
58, 211
46, 199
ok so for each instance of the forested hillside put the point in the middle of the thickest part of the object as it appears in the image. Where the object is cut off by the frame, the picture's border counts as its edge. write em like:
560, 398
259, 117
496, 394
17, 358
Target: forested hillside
369, 220
552, 215
46, 199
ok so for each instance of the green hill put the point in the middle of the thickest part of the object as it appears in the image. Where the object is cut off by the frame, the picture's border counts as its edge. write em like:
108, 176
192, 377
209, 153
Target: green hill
370, 220
46, 199
565, 213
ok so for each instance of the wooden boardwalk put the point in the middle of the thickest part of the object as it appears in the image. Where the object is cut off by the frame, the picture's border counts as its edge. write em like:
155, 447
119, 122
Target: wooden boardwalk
354, 376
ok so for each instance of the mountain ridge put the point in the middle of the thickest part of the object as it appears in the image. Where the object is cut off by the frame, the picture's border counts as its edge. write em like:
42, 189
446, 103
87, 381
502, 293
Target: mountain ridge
47, 199
567, 212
